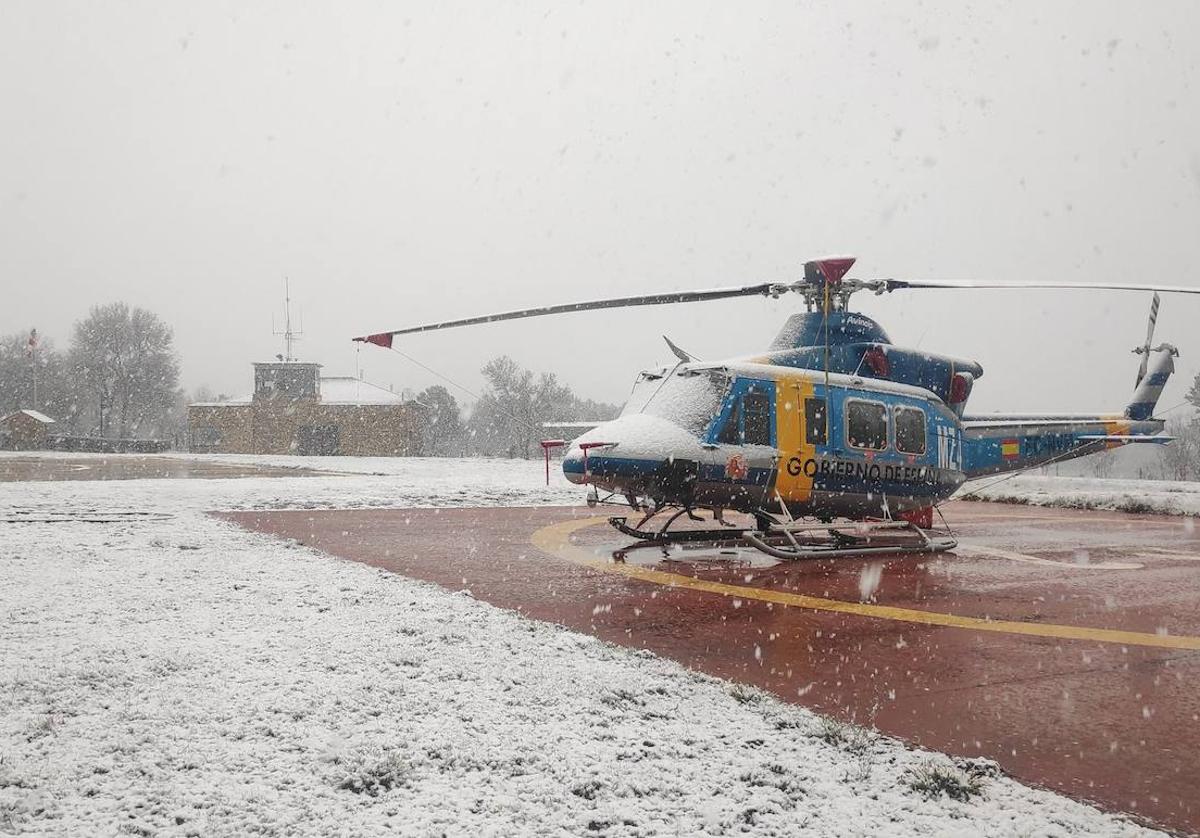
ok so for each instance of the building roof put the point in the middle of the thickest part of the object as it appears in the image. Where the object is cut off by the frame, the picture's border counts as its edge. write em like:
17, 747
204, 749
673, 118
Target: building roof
335, 389
32, 414
345, 389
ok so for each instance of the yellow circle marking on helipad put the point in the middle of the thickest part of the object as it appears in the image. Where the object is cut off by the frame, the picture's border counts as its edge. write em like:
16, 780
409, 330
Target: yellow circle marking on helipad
555, 540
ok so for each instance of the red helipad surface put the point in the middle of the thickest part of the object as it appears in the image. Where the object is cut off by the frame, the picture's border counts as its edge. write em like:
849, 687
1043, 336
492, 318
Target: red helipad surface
1063, 644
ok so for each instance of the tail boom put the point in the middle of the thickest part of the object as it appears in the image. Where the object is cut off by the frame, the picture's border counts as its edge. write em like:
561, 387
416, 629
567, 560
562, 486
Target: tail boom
996, 445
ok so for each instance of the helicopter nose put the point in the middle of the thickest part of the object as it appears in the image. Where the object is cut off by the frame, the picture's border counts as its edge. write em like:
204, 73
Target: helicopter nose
623, 453
586, 453
572, 466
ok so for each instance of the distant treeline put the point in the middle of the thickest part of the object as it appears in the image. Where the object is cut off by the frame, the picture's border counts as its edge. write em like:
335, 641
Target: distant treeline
118, 378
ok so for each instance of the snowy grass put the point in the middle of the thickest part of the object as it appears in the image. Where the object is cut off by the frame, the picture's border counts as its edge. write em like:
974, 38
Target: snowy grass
174, 675
1141, 496
934, 779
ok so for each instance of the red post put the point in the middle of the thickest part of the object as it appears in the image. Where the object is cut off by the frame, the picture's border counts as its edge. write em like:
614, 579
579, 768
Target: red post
587, 446
547, 444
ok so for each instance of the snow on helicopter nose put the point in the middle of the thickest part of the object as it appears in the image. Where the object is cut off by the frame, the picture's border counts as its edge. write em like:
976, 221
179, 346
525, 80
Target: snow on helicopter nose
587, 447
621, 452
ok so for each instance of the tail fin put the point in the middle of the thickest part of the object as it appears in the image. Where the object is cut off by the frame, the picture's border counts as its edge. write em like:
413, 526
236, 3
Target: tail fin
1158, 364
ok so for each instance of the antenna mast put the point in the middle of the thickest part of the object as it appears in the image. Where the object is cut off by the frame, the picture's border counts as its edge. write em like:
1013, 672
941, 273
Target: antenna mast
290, 335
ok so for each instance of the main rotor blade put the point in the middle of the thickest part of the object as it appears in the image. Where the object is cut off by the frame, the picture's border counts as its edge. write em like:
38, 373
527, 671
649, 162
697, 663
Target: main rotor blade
882, 285
766, 289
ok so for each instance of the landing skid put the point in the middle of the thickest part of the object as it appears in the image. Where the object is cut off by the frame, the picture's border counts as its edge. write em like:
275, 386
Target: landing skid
798, 540
791, 540
676, 536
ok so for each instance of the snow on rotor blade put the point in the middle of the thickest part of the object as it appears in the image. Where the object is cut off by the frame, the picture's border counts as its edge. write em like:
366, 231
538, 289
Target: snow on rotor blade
766, 289
898, 284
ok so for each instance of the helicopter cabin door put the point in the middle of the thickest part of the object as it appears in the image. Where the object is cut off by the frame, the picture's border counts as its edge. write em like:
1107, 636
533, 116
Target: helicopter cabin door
743, 443
803, 430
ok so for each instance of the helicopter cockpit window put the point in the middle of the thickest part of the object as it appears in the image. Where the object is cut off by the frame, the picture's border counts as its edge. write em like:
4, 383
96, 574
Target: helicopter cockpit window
731, 433
689, 398
910, 430
866, 425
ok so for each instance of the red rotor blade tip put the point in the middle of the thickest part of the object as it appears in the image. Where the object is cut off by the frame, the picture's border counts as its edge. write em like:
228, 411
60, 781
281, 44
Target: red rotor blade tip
383, 339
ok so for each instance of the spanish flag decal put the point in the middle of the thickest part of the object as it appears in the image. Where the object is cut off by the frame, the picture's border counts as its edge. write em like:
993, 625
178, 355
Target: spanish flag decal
1010, 449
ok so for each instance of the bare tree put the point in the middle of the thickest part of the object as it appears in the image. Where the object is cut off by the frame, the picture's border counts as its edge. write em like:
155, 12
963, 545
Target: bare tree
125, 363
1102, 463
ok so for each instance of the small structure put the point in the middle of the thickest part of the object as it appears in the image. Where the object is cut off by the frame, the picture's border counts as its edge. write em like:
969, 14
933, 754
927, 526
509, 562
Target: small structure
25, 430
295, 410
568, 432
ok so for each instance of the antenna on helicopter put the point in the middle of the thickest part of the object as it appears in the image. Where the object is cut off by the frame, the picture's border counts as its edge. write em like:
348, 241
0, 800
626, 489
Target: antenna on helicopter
683, 355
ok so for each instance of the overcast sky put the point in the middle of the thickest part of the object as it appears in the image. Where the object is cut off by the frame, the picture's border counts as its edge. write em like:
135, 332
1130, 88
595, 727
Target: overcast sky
402, 163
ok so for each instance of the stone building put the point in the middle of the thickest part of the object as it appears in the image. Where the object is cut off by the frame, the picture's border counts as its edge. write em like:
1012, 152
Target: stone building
25, 430
295, 410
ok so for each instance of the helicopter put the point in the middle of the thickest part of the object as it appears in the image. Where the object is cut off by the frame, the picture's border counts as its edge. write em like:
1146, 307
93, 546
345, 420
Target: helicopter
833, 440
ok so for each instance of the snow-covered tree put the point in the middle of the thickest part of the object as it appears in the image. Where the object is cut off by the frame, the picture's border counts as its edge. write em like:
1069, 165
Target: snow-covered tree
443, 426
1181, 458
507, 421
126, 367
56, 396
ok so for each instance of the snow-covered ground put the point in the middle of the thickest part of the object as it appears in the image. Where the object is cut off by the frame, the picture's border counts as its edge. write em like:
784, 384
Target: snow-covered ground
377, 482
166, 673
1157, 496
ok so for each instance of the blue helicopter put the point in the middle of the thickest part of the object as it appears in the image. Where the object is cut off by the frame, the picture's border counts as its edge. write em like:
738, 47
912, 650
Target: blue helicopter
834, 440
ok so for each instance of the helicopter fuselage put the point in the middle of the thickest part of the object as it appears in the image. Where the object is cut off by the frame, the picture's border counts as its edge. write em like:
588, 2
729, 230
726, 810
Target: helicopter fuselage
751, 436
756, 437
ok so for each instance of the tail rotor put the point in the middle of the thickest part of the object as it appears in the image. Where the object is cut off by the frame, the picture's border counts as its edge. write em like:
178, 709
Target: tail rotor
1144, 349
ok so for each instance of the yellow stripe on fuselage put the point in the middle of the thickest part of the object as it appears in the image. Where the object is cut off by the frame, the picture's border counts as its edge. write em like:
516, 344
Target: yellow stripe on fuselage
790, 438
1119, 427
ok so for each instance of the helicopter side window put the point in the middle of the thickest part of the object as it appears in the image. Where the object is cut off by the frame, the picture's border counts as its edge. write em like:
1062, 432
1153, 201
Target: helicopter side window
866, 425
910, 430
757, 423
815, 428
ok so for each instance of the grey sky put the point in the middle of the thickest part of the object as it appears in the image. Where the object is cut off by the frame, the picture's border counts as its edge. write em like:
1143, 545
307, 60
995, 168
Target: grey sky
411, 162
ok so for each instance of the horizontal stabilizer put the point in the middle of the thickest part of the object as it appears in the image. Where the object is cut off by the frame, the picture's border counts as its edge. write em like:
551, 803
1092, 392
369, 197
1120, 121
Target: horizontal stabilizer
1123, 438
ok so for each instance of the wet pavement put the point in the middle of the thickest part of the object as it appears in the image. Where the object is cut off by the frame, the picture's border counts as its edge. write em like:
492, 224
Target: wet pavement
1063, 644
131, 467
